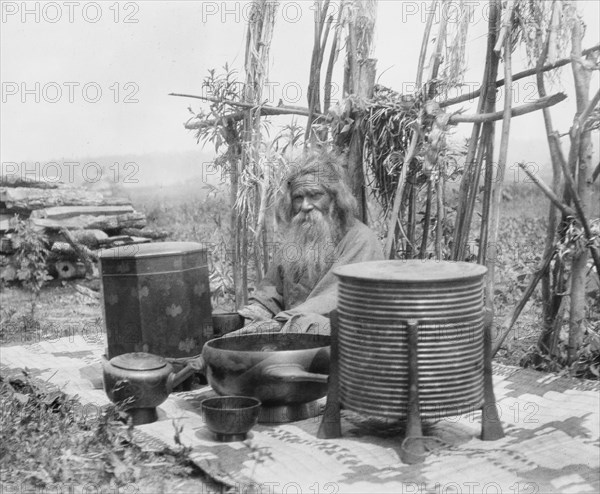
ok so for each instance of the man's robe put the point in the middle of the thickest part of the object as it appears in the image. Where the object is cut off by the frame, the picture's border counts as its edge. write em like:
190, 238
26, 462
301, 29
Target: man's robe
302, 305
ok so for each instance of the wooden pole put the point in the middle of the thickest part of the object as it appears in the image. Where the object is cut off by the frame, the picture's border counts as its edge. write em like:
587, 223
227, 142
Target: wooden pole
440, 215
497, 187
366, 82
424, 43
333, 54
426, 219
521, 75
434, 64
491, 427
266, 110
509, 322
551, 298
566, 210
330, 426
394, 221
413, 449
322, 25
471, 173
515, 112
579, 163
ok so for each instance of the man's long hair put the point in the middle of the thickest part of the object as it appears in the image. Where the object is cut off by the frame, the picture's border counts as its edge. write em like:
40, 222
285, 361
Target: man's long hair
327, 168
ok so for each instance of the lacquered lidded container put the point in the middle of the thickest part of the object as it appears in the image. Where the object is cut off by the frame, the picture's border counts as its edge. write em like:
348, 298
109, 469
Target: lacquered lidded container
156, 298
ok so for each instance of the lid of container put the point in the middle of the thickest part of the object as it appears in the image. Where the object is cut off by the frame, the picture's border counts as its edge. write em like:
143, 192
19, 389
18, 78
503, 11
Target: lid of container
152, 249
138, 361
412, 270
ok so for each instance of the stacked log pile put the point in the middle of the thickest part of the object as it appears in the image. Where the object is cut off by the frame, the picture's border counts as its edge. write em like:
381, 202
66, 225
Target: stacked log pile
75, 221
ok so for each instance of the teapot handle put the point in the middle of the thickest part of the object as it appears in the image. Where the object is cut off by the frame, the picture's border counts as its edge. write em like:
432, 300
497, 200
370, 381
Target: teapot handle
193, 365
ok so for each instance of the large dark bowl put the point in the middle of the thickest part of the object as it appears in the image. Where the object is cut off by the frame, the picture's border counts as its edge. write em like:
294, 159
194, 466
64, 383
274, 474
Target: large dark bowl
230, 418
243, 365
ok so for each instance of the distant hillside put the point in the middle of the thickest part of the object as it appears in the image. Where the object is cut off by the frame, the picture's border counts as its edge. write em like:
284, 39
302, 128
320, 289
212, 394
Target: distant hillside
124, 170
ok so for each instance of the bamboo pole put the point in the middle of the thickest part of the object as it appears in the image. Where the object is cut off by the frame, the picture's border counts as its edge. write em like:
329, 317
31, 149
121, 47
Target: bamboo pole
366, 82
469, 204
509, 322
351, 60
550, 302
549, 337
411, 219
520, 75
467, 185
394, 220
487, 198
504, 30
290, 110
436, 59
424, 43
579, 164
570, 183
436, 56
258, 42
580, 214
440, 216
504, 140
426, 220
566, 210
322, 24
515, 112
333, 54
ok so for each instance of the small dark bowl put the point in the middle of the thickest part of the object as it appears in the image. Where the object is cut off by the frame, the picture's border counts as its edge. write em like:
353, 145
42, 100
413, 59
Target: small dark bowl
226, 322
230, 418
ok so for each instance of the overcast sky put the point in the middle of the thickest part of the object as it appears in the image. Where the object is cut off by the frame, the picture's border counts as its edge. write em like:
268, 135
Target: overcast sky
92, 78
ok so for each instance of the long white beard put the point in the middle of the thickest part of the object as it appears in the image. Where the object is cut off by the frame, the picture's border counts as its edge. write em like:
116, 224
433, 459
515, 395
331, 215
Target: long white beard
309, 246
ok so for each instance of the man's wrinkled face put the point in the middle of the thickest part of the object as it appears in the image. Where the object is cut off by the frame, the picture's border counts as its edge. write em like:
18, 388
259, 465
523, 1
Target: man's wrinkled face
308, 195
312, 231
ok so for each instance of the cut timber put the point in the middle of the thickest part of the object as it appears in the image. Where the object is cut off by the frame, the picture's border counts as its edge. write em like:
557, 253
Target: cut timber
61, 212
85, 222
86, 255
19, 181
89, 238
31, 198
146, 233
120, 240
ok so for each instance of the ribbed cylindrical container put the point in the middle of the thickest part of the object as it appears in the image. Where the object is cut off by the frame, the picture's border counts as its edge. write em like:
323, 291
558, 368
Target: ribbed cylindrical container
156, 299
376, 299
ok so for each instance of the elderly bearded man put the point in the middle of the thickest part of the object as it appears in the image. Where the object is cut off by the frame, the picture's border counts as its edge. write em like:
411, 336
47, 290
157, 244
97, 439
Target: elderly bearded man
322, 233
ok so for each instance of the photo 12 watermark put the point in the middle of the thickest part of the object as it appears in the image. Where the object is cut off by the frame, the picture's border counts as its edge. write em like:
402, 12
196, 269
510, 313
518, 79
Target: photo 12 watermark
242, 12
69, 92
452, 11
70, 172
69, 12
71, 487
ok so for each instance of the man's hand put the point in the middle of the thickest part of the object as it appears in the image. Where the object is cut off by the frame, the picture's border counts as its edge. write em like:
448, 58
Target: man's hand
256, 327
255, 312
